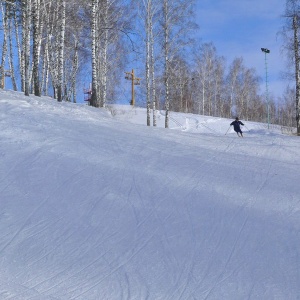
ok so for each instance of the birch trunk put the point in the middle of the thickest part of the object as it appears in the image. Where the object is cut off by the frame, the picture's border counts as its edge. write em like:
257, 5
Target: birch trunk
45, 71
4, 48
148, 83
36, 43
94, 100
166, 58
26, 40
104, 69
76, 66
297, 75
61, 48
51, 49
153, 75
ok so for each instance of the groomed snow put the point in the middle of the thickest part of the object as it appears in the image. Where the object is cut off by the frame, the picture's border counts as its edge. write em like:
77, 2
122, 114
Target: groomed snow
95, 205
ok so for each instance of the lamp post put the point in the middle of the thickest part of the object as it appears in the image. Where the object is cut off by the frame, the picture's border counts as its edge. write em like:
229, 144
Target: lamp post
265, 50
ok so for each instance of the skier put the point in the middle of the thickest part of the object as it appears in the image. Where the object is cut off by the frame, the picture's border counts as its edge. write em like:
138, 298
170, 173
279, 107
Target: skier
236, 126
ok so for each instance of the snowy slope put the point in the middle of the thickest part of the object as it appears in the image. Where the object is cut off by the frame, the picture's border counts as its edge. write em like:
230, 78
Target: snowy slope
94, 206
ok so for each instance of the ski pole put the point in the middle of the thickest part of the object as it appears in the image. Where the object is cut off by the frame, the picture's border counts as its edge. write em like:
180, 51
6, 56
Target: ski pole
227, 129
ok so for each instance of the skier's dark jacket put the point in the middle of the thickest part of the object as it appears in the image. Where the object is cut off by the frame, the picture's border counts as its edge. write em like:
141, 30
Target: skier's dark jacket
236, 125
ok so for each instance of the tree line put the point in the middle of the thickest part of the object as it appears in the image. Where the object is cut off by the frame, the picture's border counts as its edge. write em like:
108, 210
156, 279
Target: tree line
48, 45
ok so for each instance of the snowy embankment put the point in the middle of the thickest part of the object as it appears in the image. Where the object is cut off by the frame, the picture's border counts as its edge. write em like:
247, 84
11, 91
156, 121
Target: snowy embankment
96, 205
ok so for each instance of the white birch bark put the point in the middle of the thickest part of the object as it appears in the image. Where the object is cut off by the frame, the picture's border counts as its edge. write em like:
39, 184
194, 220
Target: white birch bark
105, 7
45, 71
61, 51
76, 66
23, 47
166, 59
26, 42
297, 70
36, 46
94, 7
148, 7
153, 75
50, 65
4, 47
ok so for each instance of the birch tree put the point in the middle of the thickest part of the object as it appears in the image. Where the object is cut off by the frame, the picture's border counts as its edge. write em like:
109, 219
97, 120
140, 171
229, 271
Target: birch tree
4, 45
166, 14
148, 12
246, 91
177, 22
180, 93
109, 28
94, 7
205, 60
297, 69
207, 72
36, 45
26, 37
218, 86
148, 22
61, 47
16, 9
287, 108
152, 72
103, 63
233, 84
290, 33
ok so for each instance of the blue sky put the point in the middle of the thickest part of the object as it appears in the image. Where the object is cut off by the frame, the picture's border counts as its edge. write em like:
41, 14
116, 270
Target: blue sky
241, 29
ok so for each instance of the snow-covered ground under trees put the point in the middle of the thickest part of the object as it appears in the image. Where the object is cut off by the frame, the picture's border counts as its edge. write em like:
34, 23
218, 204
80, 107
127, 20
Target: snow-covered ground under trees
95, 205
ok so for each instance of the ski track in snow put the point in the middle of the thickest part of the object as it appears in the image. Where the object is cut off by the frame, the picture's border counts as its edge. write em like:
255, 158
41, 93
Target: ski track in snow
97, 208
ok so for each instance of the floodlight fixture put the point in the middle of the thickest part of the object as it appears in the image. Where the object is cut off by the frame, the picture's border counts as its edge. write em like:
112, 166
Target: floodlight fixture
265, 50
